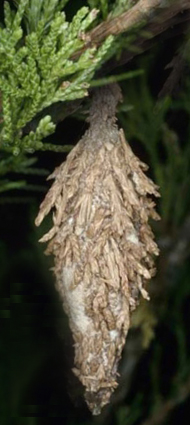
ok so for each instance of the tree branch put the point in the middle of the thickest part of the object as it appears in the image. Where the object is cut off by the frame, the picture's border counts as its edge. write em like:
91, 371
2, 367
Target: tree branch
144, 12
177, 24
154, 16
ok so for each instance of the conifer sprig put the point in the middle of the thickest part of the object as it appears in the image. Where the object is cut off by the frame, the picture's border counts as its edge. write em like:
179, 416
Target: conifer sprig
37, 68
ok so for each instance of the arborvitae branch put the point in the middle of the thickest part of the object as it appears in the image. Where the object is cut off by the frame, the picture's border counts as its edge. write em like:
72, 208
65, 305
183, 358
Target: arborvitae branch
37, 69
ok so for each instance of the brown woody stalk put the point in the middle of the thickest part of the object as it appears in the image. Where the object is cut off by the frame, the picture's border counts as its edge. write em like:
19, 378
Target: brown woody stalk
102, 243
154, 12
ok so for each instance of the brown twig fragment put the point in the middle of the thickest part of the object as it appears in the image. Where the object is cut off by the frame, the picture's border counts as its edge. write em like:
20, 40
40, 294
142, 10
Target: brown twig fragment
144, 12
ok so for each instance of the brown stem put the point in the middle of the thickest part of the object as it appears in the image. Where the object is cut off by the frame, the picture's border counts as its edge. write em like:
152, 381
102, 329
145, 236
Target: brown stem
144, 12
172, 27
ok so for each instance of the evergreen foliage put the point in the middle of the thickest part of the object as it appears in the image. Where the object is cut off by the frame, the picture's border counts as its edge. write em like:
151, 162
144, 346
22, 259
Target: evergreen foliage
37, 68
